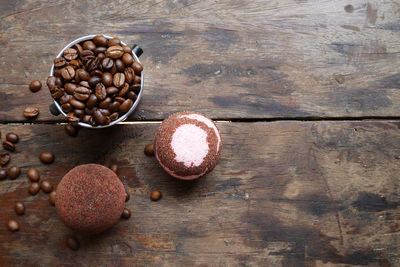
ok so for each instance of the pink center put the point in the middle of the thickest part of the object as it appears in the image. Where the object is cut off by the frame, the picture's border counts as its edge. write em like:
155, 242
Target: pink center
189, 143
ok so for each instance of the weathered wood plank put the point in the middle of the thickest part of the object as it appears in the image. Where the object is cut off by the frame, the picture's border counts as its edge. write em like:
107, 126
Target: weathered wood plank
284, 194
228, 59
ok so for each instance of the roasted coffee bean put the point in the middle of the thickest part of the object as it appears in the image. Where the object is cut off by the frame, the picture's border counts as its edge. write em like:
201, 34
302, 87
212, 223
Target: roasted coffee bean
126, 105
107, 79
73, 243
100, 91
137, 79
92, 64
71, 130
94, 80
90, 111
105, 103
46, 186
92, 101
57, 72
127, 197
124, 90
119, 79
112, 90
59, 82
34, 188
77, 104
107, 63
100, 40
70, 54
57, 93
33, 174
70, 88
127, 49
119, 99
113, 42
114, 107
101, 56
79, 113
3, 174
137, 67
4, 158
100, 118
75, 63
35, 85
68, 73
89, 45
135, 88
13, 225
19, 208
46, 157
114, 116
113, 70
104, 111
83, 74
13, 172
65, 99
59, 62
87, 53
155, 195
9, 146
100, 50
84, 84
79, 49
86, 118
51, 82
126, 214
52, 198
132, 96
66, 107
127, 59
119, 65
31, 112
82, 93
148, 150
114, 168
72, 118
129, 75
114, 52
12, 137
96, 72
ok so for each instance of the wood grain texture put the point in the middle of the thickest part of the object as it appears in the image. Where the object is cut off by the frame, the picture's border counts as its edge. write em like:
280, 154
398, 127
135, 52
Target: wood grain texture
225, 58
283, 194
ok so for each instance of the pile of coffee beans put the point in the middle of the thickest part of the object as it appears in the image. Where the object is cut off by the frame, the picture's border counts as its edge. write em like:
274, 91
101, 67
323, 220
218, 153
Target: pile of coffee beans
96, 81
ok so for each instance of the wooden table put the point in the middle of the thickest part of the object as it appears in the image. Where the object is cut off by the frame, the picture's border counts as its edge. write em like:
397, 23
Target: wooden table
305, 93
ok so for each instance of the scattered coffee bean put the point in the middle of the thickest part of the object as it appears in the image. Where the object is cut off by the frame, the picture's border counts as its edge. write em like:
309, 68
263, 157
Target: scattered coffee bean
155, 195
52, 198
13, 172
73, 243
126, 214
31, 112
35, 85
114, 41
46, 186
127, 197
4, 158
71, 130
148, 150
12, 137
3, 174
19, 208
114, 168
9, 146
46, 157
34, 188
33, 174
13, 225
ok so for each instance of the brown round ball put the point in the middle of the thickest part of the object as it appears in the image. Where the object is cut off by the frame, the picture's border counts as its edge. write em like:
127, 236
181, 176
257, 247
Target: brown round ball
35, 85
90, 198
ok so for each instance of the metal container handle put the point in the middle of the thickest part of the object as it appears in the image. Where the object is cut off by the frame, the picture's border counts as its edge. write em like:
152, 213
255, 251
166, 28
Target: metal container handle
137, 50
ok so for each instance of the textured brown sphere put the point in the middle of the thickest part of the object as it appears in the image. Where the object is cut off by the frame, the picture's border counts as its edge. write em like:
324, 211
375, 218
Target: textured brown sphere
90, 198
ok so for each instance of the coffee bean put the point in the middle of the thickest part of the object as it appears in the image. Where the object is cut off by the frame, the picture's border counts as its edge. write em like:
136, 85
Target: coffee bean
77, 104
119, 65
67, 107
105, 103
132, 96
129, 75
126, 214
13, 172
52, 198
101, 56
113, 42
96, 72
59, 82
113, 70
33, 174
119, 99
107, 79
72, 118
13, 225
68, 73
155, 195
75, 63
57, 93
57, 72
65, 99
46, 186
127, 59
107, 63
70, 88
89, 45
114, 52
100, 40
92, 101
104, 111
119, 79
46, 157
100, 118
86, 118
112, 90
79, 113
92, 64
100, 50
137, 80
137, 67
87, 53
31, 112
94, 80
4, 158
127, 197
148, 150
9, 146
114, 106
114, 168
71, 130
73, 243
3, 174
127, 49
19, 208
34, 188
12, 137
124, 90
59, 62
101, 92
83, 74
126, 106
90, 111
82, 93
84, 84
35, 85
70, 54
114, 116
79, 49
51, 82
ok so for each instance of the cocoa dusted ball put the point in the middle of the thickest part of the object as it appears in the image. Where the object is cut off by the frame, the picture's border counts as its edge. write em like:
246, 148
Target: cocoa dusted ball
90, 198
187, 145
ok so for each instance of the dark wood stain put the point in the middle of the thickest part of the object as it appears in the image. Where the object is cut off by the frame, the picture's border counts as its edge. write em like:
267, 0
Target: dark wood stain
373, 203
